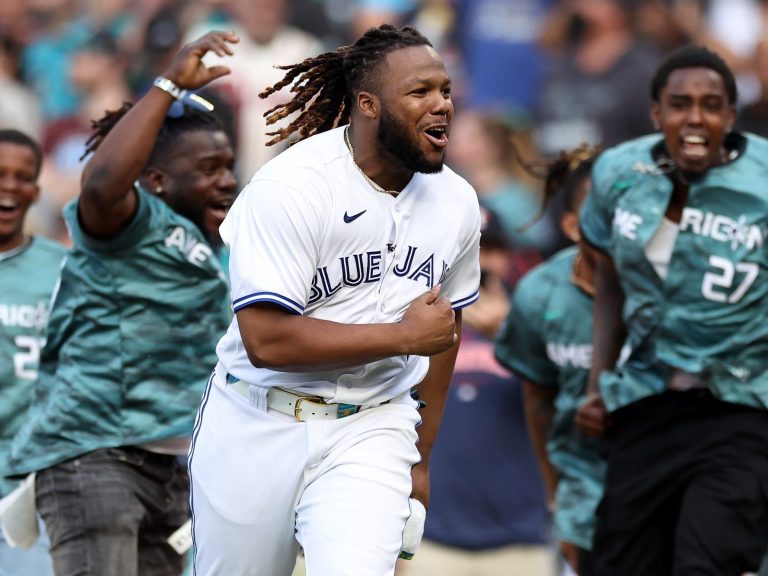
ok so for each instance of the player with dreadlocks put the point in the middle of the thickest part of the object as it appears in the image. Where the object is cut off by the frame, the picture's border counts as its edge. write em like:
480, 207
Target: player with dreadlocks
547, 340
352, 254
141, 301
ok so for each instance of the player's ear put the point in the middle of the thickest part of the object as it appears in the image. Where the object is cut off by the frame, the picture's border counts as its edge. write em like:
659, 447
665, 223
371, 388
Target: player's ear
152, 181
368, 104
656, 115
569, 223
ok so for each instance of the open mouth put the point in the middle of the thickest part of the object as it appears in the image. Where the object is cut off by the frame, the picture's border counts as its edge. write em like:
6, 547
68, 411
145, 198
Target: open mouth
438, 135
9, 206
694, 146
219, 209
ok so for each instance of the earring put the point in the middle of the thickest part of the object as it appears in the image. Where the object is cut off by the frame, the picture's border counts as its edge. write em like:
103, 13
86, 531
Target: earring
159, 190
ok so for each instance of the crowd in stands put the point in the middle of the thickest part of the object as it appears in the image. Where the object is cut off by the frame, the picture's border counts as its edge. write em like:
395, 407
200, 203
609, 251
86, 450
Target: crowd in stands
554, 74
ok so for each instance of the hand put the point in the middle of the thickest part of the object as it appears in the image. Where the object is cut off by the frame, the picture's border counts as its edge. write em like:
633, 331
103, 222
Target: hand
592, 417
187, 70
429, 324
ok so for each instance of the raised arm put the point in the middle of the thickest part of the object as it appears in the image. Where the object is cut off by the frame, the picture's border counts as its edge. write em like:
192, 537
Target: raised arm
107, 200
276, 339
608, 336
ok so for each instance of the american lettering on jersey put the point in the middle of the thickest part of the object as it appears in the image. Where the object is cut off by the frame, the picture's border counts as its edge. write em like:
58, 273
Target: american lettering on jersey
736, 232
194, 250
570, 354
626, 223
24, 315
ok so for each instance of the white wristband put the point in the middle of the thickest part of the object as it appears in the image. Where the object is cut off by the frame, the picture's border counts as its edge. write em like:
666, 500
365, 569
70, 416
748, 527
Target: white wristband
168, 86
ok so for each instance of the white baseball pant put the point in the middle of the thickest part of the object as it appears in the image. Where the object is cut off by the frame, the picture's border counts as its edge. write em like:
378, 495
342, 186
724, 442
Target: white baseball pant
264, 484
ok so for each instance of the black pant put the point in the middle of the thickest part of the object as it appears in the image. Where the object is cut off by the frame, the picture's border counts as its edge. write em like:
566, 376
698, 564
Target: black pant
109, 512
686, 489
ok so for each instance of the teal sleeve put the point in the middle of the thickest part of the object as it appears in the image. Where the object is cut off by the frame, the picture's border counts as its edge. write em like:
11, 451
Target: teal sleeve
136, 230
521, 343
596, 217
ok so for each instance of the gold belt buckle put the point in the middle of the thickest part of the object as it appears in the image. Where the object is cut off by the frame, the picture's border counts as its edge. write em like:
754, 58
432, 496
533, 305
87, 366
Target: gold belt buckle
297, 406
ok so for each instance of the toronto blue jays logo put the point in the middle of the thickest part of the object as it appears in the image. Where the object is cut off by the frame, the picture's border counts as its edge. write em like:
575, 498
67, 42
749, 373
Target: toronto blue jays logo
367, 267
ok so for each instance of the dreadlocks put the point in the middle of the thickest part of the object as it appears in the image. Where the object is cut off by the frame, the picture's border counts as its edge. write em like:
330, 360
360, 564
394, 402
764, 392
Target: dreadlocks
190, 121
567, 172
325, 86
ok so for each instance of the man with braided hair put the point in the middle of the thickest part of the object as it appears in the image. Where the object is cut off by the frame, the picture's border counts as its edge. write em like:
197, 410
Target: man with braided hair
352, 254
141, 301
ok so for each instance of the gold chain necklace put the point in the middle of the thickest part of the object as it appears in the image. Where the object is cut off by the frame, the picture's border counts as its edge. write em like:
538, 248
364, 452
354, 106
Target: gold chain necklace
371, 182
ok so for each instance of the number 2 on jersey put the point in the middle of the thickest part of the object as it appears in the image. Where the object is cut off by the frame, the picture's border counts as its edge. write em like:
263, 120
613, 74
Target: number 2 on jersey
25, 361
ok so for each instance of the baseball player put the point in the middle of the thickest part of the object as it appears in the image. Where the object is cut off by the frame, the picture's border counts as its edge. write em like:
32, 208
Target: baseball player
547, 340
141, 303
679, 225
29, 268
352, 254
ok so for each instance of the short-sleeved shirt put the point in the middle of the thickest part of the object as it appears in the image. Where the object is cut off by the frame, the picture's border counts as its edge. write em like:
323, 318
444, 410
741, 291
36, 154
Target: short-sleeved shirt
28, 275
131, 340
547, 339
310, 234
710, 314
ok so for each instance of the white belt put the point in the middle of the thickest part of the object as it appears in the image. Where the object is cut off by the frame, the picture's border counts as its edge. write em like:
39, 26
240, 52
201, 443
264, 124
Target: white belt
301, 406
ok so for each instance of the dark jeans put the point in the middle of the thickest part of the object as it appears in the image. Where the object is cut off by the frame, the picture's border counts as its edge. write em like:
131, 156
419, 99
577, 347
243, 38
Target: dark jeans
109, 513
686, 490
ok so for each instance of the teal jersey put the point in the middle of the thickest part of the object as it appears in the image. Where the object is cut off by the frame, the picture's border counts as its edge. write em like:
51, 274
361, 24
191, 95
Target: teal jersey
547, 339
28, 276
131, 342
710, 314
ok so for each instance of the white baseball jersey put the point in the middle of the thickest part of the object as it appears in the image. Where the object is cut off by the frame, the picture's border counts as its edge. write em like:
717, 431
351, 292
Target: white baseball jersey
309, 233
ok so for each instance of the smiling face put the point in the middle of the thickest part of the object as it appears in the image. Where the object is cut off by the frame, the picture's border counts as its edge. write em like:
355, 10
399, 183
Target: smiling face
695, 114
416, 108
197, 180
18, 191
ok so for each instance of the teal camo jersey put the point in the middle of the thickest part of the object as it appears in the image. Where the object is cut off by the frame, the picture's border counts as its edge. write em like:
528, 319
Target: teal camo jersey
132, 338
710, 315
28, 276
547, 339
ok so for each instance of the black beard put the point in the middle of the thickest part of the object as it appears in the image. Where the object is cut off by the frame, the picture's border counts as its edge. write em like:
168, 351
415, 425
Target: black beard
392, 136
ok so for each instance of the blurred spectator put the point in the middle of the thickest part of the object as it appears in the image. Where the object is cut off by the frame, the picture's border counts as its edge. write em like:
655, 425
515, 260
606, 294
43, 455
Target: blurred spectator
14, 22
60, 31
482, 150
97, 72
655, 24
503, 62
754, 117
372, 13
590, 94
732, 28
157, 39
20, 106
266, 41
487, 513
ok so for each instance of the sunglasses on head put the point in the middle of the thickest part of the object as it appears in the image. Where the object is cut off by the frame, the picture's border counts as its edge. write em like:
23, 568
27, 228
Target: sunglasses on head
191, 100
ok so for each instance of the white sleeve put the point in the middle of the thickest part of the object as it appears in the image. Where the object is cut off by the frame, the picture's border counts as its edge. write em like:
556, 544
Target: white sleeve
273, 233
461, 284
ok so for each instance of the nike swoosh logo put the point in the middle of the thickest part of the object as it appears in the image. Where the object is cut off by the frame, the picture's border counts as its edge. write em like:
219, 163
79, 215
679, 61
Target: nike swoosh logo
348, 218
553, 314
